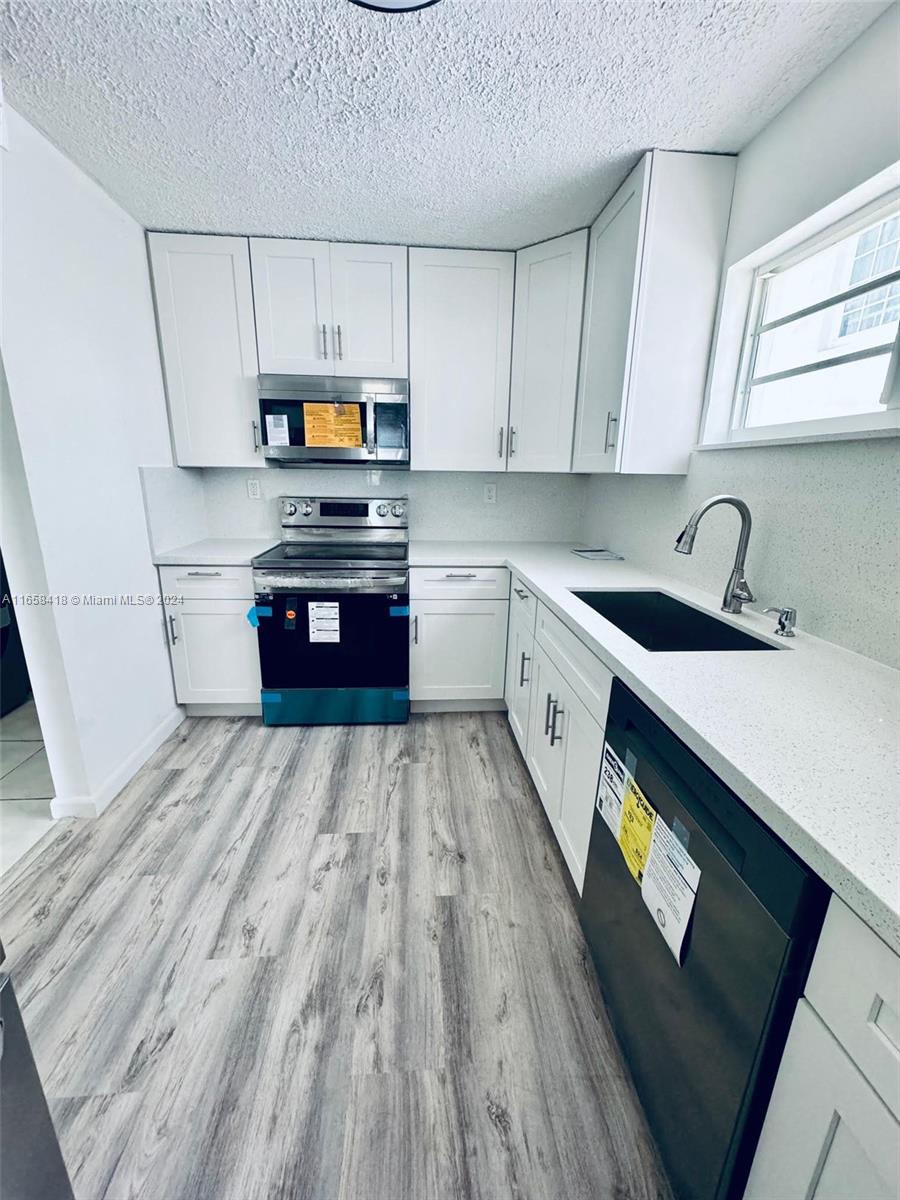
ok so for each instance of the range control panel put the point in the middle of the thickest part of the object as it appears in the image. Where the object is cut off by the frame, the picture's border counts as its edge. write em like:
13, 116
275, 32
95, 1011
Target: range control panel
344, 512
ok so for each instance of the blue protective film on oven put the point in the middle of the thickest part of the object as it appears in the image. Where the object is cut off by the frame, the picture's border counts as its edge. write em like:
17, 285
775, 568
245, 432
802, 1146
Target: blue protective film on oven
257, 611
398, 610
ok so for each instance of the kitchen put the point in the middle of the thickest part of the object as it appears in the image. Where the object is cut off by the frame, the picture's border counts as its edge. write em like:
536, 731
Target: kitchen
467, 661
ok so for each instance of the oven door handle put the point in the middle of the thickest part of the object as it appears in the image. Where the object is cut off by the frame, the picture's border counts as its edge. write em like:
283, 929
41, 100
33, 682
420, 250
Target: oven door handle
285, 581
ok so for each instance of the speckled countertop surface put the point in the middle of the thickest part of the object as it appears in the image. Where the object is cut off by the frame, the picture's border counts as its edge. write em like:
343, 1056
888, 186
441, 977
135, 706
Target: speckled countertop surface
216, 552
809, 738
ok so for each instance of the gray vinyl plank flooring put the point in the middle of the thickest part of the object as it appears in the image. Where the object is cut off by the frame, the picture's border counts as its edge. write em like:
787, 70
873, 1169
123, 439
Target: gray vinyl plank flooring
322, 964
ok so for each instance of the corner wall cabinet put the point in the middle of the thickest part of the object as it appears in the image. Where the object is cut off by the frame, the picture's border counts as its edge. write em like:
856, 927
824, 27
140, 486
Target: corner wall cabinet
330, 308
213, 647
204, 307
546, 338
655, 259
460, 332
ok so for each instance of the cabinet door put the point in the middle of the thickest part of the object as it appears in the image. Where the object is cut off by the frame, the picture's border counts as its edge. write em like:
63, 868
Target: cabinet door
582, 742
215, 659
460, 333
827, 1136
292, 293
546, 338
368, 299
458, 649
204, 305
616, 242
545, 757
519, 661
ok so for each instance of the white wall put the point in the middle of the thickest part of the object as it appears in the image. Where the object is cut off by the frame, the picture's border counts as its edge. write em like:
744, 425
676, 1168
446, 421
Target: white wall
826, 538
442, 504
79, 345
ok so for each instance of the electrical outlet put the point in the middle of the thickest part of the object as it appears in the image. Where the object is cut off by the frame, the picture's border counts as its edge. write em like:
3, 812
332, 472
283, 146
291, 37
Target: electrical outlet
490, 493
253, 489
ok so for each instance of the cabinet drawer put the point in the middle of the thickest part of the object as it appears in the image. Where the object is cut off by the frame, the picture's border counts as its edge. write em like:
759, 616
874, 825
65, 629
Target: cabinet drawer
589, 678
459, 583
207, 583
854, 986
522, 602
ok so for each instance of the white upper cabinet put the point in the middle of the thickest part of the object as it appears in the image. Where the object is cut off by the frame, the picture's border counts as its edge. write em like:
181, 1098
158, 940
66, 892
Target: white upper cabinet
370, 329
330, 308
292, 293
460, 330
204, 305
546, 338
655, 258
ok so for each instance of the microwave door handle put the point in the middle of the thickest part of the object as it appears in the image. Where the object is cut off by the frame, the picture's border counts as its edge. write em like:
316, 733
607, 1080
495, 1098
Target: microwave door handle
370, 424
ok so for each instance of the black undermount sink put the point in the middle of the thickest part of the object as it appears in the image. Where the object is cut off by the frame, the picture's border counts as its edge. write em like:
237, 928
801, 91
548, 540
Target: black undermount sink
660, 622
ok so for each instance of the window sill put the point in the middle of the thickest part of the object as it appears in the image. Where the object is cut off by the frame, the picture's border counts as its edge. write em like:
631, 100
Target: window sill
854, 435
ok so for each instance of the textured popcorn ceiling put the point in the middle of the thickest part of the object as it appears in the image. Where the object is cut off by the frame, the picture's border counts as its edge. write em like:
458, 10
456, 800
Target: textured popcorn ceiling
474, 122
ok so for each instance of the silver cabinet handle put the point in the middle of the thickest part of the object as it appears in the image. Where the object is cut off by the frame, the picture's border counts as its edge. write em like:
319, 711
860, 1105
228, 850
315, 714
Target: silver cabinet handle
255, 437
557, 712
461, 575
513, 434
500, 444
206, 574
522, 679
607, 444
547, 714
523, 595
174, 635
416, 630
324, 342
340, 343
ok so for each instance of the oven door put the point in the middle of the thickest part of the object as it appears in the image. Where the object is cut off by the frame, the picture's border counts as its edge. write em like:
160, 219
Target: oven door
333, 629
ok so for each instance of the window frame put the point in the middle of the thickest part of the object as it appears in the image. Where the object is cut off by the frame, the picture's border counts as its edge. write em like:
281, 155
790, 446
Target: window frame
744, 286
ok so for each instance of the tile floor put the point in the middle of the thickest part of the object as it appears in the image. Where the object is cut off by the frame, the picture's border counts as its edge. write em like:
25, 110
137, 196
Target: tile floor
26, 787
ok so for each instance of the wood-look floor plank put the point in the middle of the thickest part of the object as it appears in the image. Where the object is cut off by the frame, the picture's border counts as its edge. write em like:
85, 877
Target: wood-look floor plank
325, 963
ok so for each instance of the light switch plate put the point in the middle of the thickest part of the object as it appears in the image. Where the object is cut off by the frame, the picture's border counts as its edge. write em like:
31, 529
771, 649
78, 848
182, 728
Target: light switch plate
253, 489
490, 493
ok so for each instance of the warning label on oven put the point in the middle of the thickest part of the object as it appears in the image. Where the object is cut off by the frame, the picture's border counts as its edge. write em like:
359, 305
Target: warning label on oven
324, 621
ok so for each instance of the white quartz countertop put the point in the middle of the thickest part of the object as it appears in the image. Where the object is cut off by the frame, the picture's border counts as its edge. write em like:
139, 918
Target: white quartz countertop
808, 738
216, 552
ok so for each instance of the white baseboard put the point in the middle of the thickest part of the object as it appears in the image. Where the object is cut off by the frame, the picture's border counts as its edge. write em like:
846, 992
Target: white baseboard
439, 706
94, 804
223, 710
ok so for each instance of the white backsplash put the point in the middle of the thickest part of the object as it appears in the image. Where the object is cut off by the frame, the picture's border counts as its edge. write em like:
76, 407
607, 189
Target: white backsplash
187, 505
825, 538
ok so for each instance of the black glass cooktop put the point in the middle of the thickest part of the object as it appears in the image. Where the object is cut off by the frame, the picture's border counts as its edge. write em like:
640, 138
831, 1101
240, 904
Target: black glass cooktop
288, 553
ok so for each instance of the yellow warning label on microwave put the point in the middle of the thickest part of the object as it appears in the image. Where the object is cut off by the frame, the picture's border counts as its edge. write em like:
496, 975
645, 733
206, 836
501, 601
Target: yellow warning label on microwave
636, 828
332, 424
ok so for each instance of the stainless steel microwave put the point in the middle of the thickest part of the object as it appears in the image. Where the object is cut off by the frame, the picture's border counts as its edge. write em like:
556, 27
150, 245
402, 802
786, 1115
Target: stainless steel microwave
329, 420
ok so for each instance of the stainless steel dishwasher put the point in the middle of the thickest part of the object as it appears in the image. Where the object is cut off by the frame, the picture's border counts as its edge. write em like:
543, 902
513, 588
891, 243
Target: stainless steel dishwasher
701, 925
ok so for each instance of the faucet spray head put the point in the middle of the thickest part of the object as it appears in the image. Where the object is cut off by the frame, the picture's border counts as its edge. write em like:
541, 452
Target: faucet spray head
684, 543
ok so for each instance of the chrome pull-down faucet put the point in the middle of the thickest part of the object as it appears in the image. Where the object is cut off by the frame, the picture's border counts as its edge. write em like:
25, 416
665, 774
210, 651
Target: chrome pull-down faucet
737, 591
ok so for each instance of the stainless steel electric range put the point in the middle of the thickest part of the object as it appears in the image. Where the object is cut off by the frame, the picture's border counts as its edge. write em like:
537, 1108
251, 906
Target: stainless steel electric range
332, 607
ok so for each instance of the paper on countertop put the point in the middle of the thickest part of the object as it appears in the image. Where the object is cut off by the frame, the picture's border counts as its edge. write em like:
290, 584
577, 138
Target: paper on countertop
600, 555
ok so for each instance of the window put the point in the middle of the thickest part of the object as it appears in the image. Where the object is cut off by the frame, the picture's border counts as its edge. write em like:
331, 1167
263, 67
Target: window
821, 331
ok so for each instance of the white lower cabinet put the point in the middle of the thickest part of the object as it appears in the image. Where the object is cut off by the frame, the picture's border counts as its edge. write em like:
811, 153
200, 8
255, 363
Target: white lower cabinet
565, 746
827, 1135
215, 659
457, 649
519, 668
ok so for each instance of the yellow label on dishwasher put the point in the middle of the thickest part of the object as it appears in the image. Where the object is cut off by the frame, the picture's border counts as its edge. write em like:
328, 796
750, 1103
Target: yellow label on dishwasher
636, 828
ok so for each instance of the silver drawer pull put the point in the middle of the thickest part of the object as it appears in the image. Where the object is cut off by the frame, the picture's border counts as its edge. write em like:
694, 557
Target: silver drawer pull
521, 594
554, 736
461, 575
206, 574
